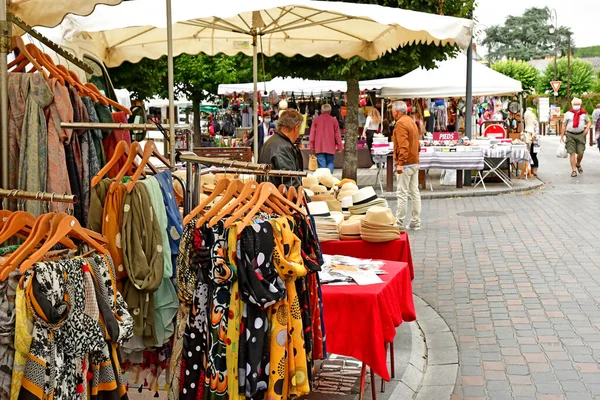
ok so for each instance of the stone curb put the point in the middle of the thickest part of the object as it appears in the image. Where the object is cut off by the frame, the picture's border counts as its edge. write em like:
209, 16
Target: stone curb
433, 367
427, 195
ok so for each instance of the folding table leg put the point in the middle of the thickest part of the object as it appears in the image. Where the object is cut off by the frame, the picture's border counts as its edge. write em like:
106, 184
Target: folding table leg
363, 377
373, 389
393, 362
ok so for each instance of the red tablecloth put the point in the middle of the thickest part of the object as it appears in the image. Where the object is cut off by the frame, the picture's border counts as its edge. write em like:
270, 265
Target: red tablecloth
396, 250
360, 320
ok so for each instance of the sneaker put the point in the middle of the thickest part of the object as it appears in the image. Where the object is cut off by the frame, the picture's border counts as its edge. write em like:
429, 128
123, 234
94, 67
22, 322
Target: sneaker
413, 227
374, 166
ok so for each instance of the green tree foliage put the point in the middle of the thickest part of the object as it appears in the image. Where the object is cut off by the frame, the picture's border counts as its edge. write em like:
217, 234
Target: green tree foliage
520, 70
395, 63
582, 78
590, 51
196, 77
526, 37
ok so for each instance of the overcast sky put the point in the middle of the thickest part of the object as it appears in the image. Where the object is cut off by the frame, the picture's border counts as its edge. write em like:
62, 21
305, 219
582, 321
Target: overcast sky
580, 15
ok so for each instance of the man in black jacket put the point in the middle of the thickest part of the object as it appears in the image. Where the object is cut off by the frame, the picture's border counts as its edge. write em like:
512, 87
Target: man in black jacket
280, 151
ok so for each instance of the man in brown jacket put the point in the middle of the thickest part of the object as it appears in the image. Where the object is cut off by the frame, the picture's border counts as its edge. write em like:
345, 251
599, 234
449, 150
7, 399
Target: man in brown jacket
406, 159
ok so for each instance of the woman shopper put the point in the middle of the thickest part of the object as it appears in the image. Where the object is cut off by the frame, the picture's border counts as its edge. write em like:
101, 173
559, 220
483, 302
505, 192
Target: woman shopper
530, 136
371, 128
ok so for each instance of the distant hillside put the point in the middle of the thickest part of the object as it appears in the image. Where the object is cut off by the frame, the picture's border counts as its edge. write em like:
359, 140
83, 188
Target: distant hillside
590, 51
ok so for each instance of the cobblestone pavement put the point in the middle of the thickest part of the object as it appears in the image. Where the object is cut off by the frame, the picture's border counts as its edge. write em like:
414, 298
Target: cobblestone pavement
520, 291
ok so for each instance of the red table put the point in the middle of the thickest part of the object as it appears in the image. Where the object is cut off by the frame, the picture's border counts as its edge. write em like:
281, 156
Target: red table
360, 320
396, 250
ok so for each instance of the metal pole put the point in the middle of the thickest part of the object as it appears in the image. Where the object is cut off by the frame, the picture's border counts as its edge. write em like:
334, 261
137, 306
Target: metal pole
172, 120
255, 95
569, 69
555, 40
4, 48
469, 101
119, 126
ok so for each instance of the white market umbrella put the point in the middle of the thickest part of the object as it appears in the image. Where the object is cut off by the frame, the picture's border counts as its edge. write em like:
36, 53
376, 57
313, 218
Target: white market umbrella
137, 29
298, 86
447, 80
47, 13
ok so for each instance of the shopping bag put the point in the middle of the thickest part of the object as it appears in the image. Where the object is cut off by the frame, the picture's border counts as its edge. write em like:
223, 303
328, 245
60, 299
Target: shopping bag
561, 152
313, 164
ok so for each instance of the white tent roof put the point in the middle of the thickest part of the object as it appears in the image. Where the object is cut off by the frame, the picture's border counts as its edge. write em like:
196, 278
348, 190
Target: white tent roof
136, 29
295, 85
51, 13
448, 80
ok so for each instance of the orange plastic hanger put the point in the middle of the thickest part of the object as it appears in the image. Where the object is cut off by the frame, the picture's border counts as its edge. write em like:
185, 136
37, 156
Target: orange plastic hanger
120, 149
234, 188
134, 149
248, 190
17, 222
17, 43
145, 154
220, 187
40, 58
249, 193
106, 100
103, 100
4, 214
68, 226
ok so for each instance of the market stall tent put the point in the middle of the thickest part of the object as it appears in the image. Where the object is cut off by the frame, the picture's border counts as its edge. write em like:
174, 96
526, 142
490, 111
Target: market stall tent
298, 86
137, 29
449, 79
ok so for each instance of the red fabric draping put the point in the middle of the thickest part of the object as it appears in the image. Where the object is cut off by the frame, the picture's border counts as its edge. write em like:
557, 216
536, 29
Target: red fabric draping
110, 142
396, 250
359, 320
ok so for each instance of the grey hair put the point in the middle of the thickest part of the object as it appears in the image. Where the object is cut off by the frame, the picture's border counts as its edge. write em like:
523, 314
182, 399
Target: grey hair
400, 106
576, 100
326, 108
289, 119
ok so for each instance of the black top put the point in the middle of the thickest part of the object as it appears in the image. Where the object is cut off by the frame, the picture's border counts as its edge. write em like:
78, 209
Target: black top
280, 152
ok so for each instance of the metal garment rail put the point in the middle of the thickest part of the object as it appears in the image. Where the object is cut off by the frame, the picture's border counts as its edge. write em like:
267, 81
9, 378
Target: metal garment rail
272, 172
116, 125
190, 157
40, 196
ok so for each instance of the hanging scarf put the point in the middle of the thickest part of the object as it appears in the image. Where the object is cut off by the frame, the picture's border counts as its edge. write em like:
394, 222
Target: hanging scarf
287, 339
62, 334
141, 240
260, 288
577, 116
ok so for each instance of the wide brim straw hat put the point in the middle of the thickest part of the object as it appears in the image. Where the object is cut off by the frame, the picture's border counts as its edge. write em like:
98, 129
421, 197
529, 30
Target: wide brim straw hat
377, 215
318, 209
318, 189
309, 181
321, 172
329, 181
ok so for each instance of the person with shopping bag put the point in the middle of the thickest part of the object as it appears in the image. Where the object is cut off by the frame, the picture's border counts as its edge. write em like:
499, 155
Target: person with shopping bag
576, 126
325, 138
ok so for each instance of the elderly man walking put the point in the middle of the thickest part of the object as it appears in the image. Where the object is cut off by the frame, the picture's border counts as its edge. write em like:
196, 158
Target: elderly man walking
576, 126
406, 159
325, 137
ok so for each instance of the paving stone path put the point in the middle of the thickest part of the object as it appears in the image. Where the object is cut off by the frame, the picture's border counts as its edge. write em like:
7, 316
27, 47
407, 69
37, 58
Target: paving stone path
519, 287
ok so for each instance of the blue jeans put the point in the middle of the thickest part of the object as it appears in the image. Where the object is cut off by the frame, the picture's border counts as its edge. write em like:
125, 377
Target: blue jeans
325, 160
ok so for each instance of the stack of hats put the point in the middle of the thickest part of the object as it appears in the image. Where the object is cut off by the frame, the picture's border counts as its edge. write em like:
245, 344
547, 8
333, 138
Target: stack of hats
379, 225
325, 178
350, 230
347, 190
327, 222
364, 199
346, 204
309, 181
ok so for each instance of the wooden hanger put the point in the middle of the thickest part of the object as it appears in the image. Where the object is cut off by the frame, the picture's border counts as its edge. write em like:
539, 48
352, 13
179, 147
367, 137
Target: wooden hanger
62, 73
4, 214
129, 163
17, 43
145, 154
282, 189
248, 190
120, 149
17, 222
50, 67
234, 188
220, 187
106, 100
68, 226
267, 191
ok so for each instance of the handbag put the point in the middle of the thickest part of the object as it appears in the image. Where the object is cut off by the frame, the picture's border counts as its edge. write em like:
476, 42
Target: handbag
313, 164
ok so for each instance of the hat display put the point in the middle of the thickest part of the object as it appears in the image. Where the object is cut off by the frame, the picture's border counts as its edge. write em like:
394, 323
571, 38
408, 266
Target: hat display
318, 189
364, 199
347, 180
321, 172
309, 181
327, 222
329, 181
346, 203
322, 197
379, 225
350, 230
349, 186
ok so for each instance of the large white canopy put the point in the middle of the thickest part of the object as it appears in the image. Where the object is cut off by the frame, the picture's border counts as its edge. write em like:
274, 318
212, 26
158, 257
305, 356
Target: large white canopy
136, 29
297, 86
51, 13
448, 80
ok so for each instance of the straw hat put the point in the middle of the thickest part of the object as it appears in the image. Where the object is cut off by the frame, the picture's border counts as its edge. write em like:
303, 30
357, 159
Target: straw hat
379, 216
318, 209
346, 202
309, 192
349, 186
321, 172
323, 197
334, 205
328, 181
364, 196
309, 181
350, 230
208, 179
347, 180
318, 189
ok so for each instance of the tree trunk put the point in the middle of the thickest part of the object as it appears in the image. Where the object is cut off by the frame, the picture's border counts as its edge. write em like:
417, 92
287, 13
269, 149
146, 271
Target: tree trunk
196, 110
350, 143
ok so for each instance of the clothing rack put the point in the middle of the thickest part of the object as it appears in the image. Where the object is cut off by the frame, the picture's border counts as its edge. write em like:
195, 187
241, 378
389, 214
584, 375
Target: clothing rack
191, 157
118, 126
40, 196
273, 172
